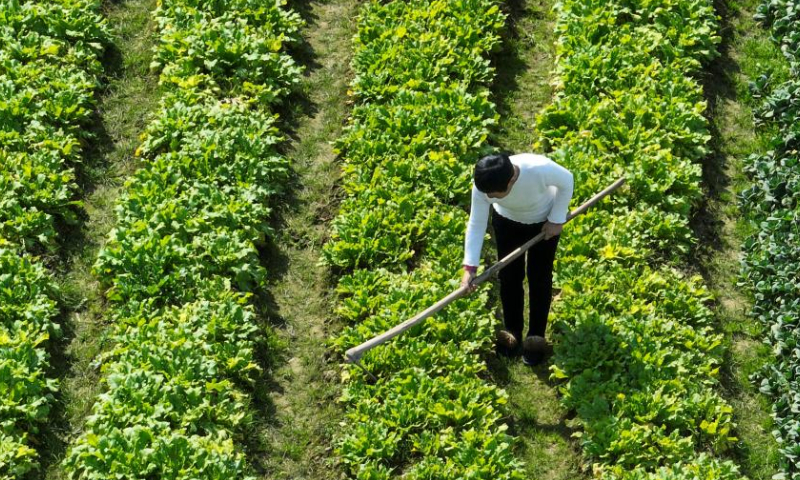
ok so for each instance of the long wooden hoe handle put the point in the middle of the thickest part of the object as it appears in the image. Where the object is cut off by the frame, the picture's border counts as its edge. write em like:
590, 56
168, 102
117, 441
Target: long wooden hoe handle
354, 354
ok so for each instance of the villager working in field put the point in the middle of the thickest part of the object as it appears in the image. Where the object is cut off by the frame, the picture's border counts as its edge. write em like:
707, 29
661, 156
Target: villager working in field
530, 193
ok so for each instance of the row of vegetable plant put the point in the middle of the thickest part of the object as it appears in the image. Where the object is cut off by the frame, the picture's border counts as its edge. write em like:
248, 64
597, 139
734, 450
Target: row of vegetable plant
420, 120
182, 262
635, 344
771, 263
49, 70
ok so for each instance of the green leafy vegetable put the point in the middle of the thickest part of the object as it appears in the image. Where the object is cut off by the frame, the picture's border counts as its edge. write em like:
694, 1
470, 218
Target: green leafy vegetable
771, 264
49, 69
422, 116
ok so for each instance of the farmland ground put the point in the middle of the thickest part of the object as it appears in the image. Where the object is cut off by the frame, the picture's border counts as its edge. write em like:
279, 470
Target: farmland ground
130, 93
746, 53
298, 412
522, 89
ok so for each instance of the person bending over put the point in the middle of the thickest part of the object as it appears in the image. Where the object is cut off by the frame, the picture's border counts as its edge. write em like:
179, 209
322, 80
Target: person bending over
529, 193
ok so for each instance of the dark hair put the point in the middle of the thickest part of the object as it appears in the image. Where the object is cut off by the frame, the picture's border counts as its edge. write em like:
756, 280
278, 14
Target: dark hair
493, 172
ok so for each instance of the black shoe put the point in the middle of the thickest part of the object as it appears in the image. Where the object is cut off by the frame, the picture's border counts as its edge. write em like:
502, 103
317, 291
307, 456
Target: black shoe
507, 340
507, 343
534, 349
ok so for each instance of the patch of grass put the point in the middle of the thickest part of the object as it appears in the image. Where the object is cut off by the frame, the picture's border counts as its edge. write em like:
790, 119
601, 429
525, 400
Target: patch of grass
538, 421
296, 409
524, 71
746, 53
521, 90
129, 94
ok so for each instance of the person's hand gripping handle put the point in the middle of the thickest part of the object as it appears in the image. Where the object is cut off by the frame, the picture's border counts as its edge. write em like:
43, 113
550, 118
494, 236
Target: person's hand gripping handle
552, 230
469, 276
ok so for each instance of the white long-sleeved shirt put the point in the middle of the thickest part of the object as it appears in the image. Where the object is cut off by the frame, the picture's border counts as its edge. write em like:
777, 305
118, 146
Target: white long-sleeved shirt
542, 192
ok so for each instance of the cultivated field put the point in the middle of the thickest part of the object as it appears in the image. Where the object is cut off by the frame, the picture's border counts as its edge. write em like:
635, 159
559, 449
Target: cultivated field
204, 203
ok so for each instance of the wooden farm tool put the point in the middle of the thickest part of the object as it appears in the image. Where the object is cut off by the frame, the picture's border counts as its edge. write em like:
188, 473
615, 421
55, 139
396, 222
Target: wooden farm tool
354, 354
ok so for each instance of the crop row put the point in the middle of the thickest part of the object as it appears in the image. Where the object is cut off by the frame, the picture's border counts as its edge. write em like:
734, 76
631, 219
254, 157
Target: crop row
182, 260
49, 70
421, 118
771, 264
635, 343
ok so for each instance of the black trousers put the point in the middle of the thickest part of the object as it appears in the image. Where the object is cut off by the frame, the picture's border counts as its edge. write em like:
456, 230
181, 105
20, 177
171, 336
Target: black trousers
510, 235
